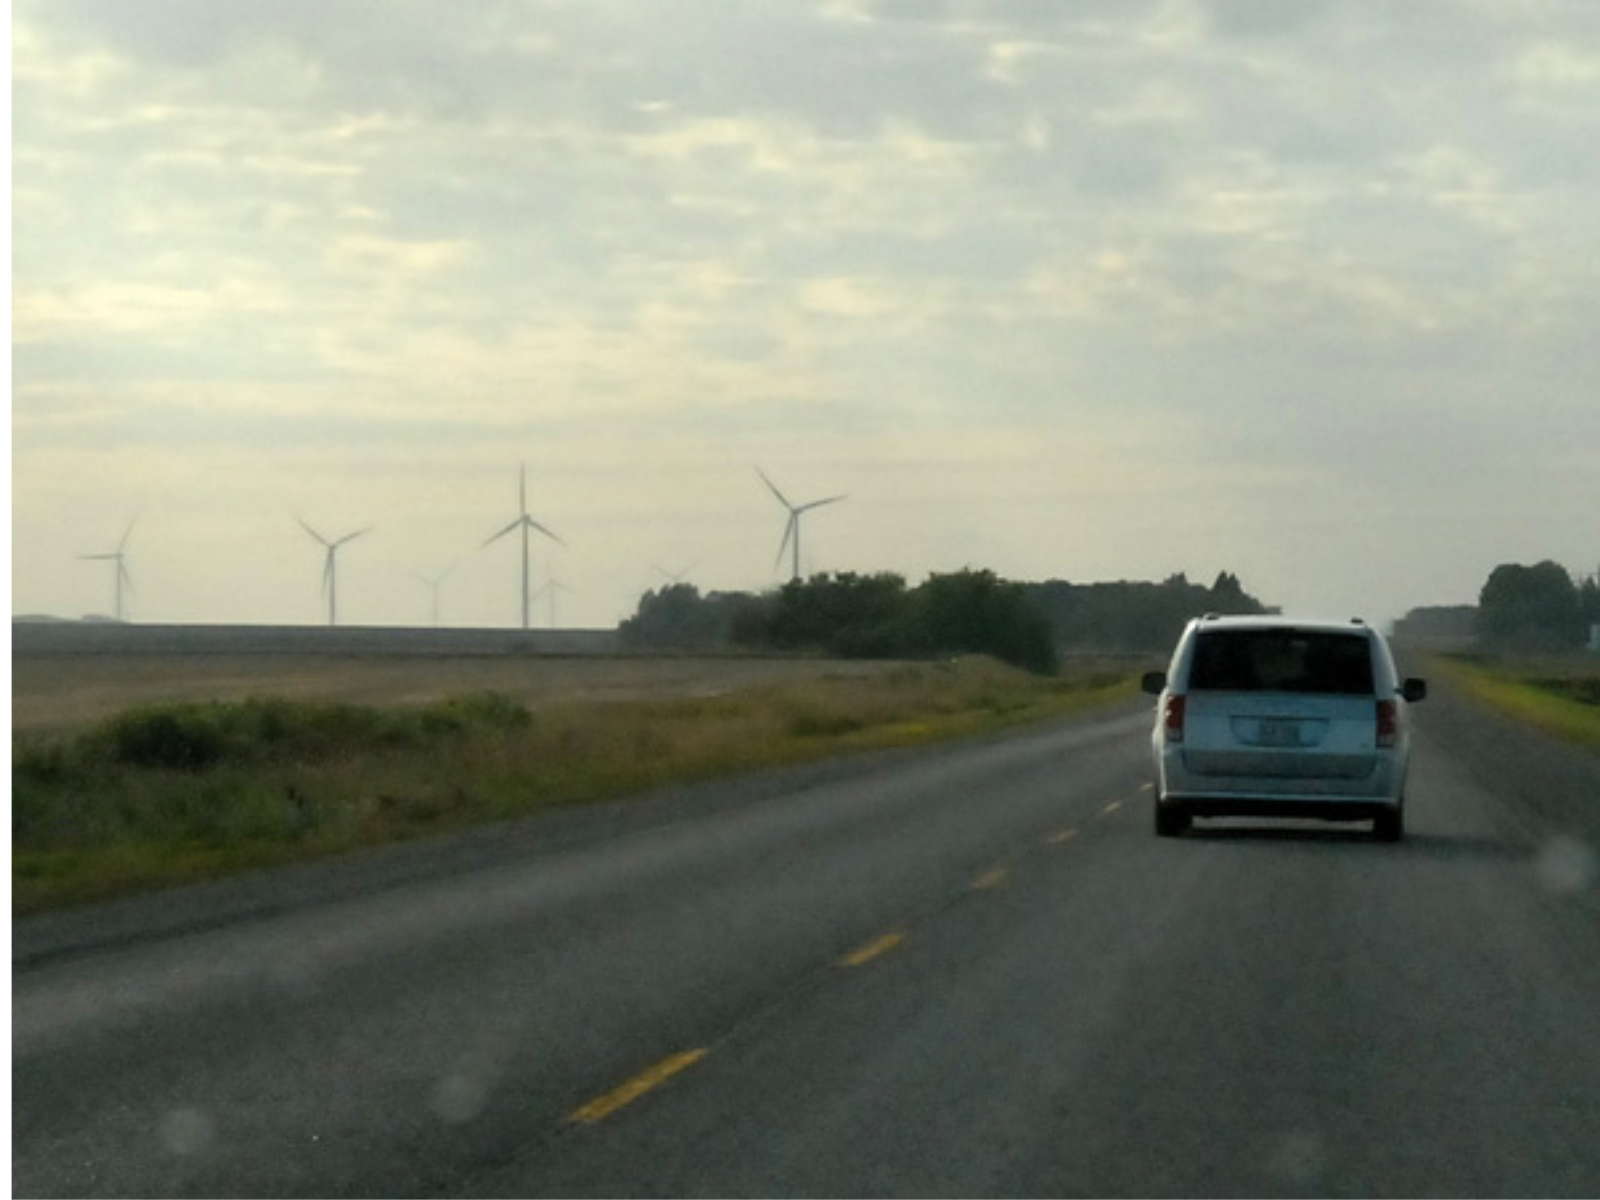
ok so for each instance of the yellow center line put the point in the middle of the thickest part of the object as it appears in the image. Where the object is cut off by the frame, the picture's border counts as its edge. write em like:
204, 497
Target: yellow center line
991, 878
602, 1107
872, 950
1061, 836
1111, 808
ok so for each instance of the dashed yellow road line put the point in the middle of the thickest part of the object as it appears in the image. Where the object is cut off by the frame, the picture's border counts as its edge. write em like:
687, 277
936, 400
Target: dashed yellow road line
1111, 808
990, 879
1061, 837
872, 950
602, 1107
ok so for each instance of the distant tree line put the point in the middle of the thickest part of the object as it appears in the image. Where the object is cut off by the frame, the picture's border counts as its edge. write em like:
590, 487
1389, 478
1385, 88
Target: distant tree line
1539, 607
1445, 626
971, 611
1542, 607
1136, 616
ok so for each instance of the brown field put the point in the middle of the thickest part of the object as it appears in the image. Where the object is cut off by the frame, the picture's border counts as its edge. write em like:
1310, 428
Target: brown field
60, 693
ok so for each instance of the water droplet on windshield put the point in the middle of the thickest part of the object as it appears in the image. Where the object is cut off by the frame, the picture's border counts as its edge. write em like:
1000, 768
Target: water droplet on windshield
187, 1131
1565, 865
462, 1093
463, 1090
1299, 1159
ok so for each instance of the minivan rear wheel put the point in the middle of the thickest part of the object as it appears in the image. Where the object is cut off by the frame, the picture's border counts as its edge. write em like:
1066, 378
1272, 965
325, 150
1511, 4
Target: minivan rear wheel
1389, 825
1171, 821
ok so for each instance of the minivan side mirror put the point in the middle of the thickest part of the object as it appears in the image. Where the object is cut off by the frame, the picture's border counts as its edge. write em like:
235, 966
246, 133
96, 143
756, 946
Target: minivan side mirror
1153, 682
1414, 690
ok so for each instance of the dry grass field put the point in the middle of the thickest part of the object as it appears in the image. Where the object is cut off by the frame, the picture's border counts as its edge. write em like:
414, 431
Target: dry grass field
141, 770
62, 693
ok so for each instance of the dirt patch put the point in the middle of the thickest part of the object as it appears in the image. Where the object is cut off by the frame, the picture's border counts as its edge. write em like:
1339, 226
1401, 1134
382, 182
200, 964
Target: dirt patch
63, 692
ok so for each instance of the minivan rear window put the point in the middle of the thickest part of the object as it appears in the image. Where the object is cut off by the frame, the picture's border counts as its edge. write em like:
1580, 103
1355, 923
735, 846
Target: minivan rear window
1281, 660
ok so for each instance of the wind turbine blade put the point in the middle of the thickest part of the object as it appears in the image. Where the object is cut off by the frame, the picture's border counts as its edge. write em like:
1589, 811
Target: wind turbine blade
437, 579
97, 557
782, 499
517, 524
820, 503
122, 573
790, 530
532, 524
522, 489
122, 545
312, 531
350, 537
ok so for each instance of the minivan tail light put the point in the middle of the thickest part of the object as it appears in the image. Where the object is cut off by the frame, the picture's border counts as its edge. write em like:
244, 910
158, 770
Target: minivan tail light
1174, 718
1388, 723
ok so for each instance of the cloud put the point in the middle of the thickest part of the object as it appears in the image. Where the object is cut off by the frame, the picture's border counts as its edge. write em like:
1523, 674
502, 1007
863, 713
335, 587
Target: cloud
1113, 256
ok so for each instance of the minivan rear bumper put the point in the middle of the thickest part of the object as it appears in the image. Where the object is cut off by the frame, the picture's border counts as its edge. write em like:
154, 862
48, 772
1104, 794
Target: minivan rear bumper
1262, 795
1313, 808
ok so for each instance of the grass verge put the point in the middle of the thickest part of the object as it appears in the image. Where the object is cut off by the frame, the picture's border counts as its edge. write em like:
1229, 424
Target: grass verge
178, 793
1558, 695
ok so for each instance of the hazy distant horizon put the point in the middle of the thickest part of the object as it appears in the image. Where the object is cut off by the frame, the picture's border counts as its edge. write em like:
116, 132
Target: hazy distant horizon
1088, 291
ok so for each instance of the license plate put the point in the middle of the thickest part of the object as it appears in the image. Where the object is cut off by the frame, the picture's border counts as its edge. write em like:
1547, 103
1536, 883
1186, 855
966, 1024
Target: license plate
1276, 731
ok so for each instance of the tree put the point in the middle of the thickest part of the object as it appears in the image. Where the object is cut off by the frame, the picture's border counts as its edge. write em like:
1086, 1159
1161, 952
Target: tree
1227, 590
976, 612
1130, 616
1589, 599
1530, 608
856, 616
679, 617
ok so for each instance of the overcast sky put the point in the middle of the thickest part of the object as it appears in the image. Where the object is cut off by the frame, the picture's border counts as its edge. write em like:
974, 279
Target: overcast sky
1071, 289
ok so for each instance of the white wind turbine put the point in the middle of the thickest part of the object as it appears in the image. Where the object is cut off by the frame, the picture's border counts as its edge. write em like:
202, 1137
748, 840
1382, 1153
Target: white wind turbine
551, 587
675, 576
118, 556
791, 531
330, 569
432, 582
525, 523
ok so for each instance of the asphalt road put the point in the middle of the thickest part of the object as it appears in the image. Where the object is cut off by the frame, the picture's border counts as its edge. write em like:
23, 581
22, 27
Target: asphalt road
965, 972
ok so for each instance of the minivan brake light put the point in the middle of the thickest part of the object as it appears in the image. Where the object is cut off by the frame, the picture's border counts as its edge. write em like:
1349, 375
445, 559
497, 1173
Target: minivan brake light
1388, 723
1174, 718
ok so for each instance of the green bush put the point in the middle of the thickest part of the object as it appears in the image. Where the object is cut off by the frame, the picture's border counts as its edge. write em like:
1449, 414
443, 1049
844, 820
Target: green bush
180, 738
485, 710
193, 737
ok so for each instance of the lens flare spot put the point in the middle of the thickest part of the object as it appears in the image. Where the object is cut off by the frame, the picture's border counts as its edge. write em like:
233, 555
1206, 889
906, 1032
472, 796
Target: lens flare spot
1565, 865
187, 1132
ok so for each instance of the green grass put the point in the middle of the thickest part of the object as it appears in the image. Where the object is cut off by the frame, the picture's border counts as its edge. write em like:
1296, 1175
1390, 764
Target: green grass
1558, 694
177, 793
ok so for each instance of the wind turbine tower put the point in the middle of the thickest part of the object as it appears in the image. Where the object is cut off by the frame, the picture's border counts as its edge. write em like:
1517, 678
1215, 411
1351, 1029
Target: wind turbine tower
120, 573
433, 582
551, 587
526, 524
330, 569
791, 531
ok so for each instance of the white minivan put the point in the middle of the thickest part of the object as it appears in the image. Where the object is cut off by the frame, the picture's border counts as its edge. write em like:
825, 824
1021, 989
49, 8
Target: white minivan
1269, 716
